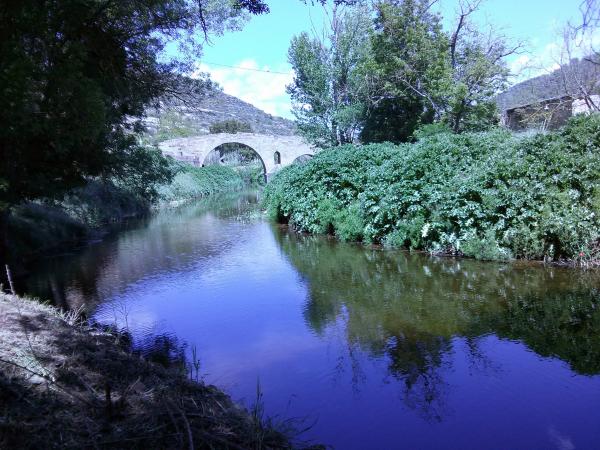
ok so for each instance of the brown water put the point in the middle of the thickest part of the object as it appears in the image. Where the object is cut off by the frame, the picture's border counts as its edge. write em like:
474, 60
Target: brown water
376, 349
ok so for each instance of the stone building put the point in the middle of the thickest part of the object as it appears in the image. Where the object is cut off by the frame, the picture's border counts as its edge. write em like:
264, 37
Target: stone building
547, 101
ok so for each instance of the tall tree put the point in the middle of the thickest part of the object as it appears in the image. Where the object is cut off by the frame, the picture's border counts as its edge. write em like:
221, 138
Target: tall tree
73, 73
479, 72
422, 74
409, 71
326, 90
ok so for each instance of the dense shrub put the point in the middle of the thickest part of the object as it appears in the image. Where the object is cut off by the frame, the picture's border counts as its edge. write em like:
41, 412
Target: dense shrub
251, 174
194, 182
43, 225
101, 202
491, 195
230, 126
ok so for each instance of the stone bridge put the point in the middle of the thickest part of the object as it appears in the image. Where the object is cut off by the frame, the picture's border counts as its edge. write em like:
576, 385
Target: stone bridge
275, 152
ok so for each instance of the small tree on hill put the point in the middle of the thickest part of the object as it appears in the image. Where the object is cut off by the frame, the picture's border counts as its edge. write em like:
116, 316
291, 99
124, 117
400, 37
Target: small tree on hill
230, 126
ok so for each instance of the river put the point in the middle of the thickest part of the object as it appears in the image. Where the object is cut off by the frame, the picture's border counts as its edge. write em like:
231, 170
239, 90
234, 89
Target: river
368, 348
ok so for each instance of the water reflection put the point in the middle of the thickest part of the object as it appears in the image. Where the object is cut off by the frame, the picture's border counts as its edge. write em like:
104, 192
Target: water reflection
410, 306
393, 346
170, 241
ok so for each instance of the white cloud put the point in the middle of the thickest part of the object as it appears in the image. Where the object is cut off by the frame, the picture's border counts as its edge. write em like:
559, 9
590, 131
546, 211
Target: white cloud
549, 57
250, 82
519, 64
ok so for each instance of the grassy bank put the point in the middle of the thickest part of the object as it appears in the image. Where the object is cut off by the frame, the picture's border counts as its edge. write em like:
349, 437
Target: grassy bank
65, 385
40, 226
195, 182
492, 195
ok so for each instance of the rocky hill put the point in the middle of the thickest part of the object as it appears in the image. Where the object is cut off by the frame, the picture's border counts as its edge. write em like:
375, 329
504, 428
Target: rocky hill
193, 115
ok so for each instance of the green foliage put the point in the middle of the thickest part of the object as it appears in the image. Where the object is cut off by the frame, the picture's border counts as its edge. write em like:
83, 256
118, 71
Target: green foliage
42, 225
349, 223
425, 74
37, 227
173, 125
251, 174
485, 248
491, 195
194, 182
140, 171
410, 68
74, 74
230, 126
381, 73
327, 87
101, 202
431, 129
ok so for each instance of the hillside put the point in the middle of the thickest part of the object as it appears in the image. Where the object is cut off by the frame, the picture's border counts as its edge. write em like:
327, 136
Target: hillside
194, 114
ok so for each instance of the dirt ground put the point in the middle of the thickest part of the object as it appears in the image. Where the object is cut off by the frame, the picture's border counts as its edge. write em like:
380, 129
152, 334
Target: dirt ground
66, 385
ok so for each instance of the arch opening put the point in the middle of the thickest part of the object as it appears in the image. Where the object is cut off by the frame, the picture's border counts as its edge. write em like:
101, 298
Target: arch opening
277, 158
240, 157
302, 159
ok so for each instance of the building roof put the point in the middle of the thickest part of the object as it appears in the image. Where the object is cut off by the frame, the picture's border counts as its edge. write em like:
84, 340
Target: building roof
561, 83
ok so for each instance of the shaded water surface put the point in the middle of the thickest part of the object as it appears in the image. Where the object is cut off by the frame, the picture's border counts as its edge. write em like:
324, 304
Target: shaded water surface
379, 349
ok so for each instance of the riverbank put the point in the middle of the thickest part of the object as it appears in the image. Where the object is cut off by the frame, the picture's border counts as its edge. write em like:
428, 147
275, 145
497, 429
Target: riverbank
491, 196
66, 385
89, 212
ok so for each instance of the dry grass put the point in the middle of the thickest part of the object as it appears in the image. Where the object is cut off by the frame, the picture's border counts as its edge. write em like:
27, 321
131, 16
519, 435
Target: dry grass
65, 385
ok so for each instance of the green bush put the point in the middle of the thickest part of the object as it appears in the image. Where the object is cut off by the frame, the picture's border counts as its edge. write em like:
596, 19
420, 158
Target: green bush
194, 182
101, 202
47, 224
230, 126
43, 225
491, 195
485, 248
36, 226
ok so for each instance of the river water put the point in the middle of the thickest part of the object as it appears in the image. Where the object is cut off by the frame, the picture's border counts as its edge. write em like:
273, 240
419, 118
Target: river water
370, 348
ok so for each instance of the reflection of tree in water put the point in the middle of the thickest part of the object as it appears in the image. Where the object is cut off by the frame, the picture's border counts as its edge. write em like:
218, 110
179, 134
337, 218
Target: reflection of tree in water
564, 325
409, 307
166, 241
349, 357
479, 361
417, 362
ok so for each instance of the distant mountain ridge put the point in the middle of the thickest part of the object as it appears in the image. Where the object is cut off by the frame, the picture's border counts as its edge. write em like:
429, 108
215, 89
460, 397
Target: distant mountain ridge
192, 116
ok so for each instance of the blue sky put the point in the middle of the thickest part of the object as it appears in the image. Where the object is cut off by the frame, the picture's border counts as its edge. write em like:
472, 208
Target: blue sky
264, 41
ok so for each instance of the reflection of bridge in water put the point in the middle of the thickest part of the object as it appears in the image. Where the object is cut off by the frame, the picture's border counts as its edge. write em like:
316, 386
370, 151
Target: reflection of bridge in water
275, 152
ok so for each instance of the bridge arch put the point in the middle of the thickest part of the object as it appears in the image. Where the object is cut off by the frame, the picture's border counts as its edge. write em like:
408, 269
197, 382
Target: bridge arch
269, 148
209, 155
302, 159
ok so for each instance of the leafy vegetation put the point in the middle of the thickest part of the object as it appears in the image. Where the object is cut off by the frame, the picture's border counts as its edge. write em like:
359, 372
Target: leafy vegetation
193, 182
78, 76
230, 126
381, 73
490, 195
327, 88
44, 224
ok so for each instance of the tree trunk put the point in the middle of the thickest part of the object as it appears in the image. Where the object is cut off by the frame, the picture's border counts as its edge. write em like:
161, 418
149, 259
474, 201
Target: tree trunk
458, 117
4, 252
